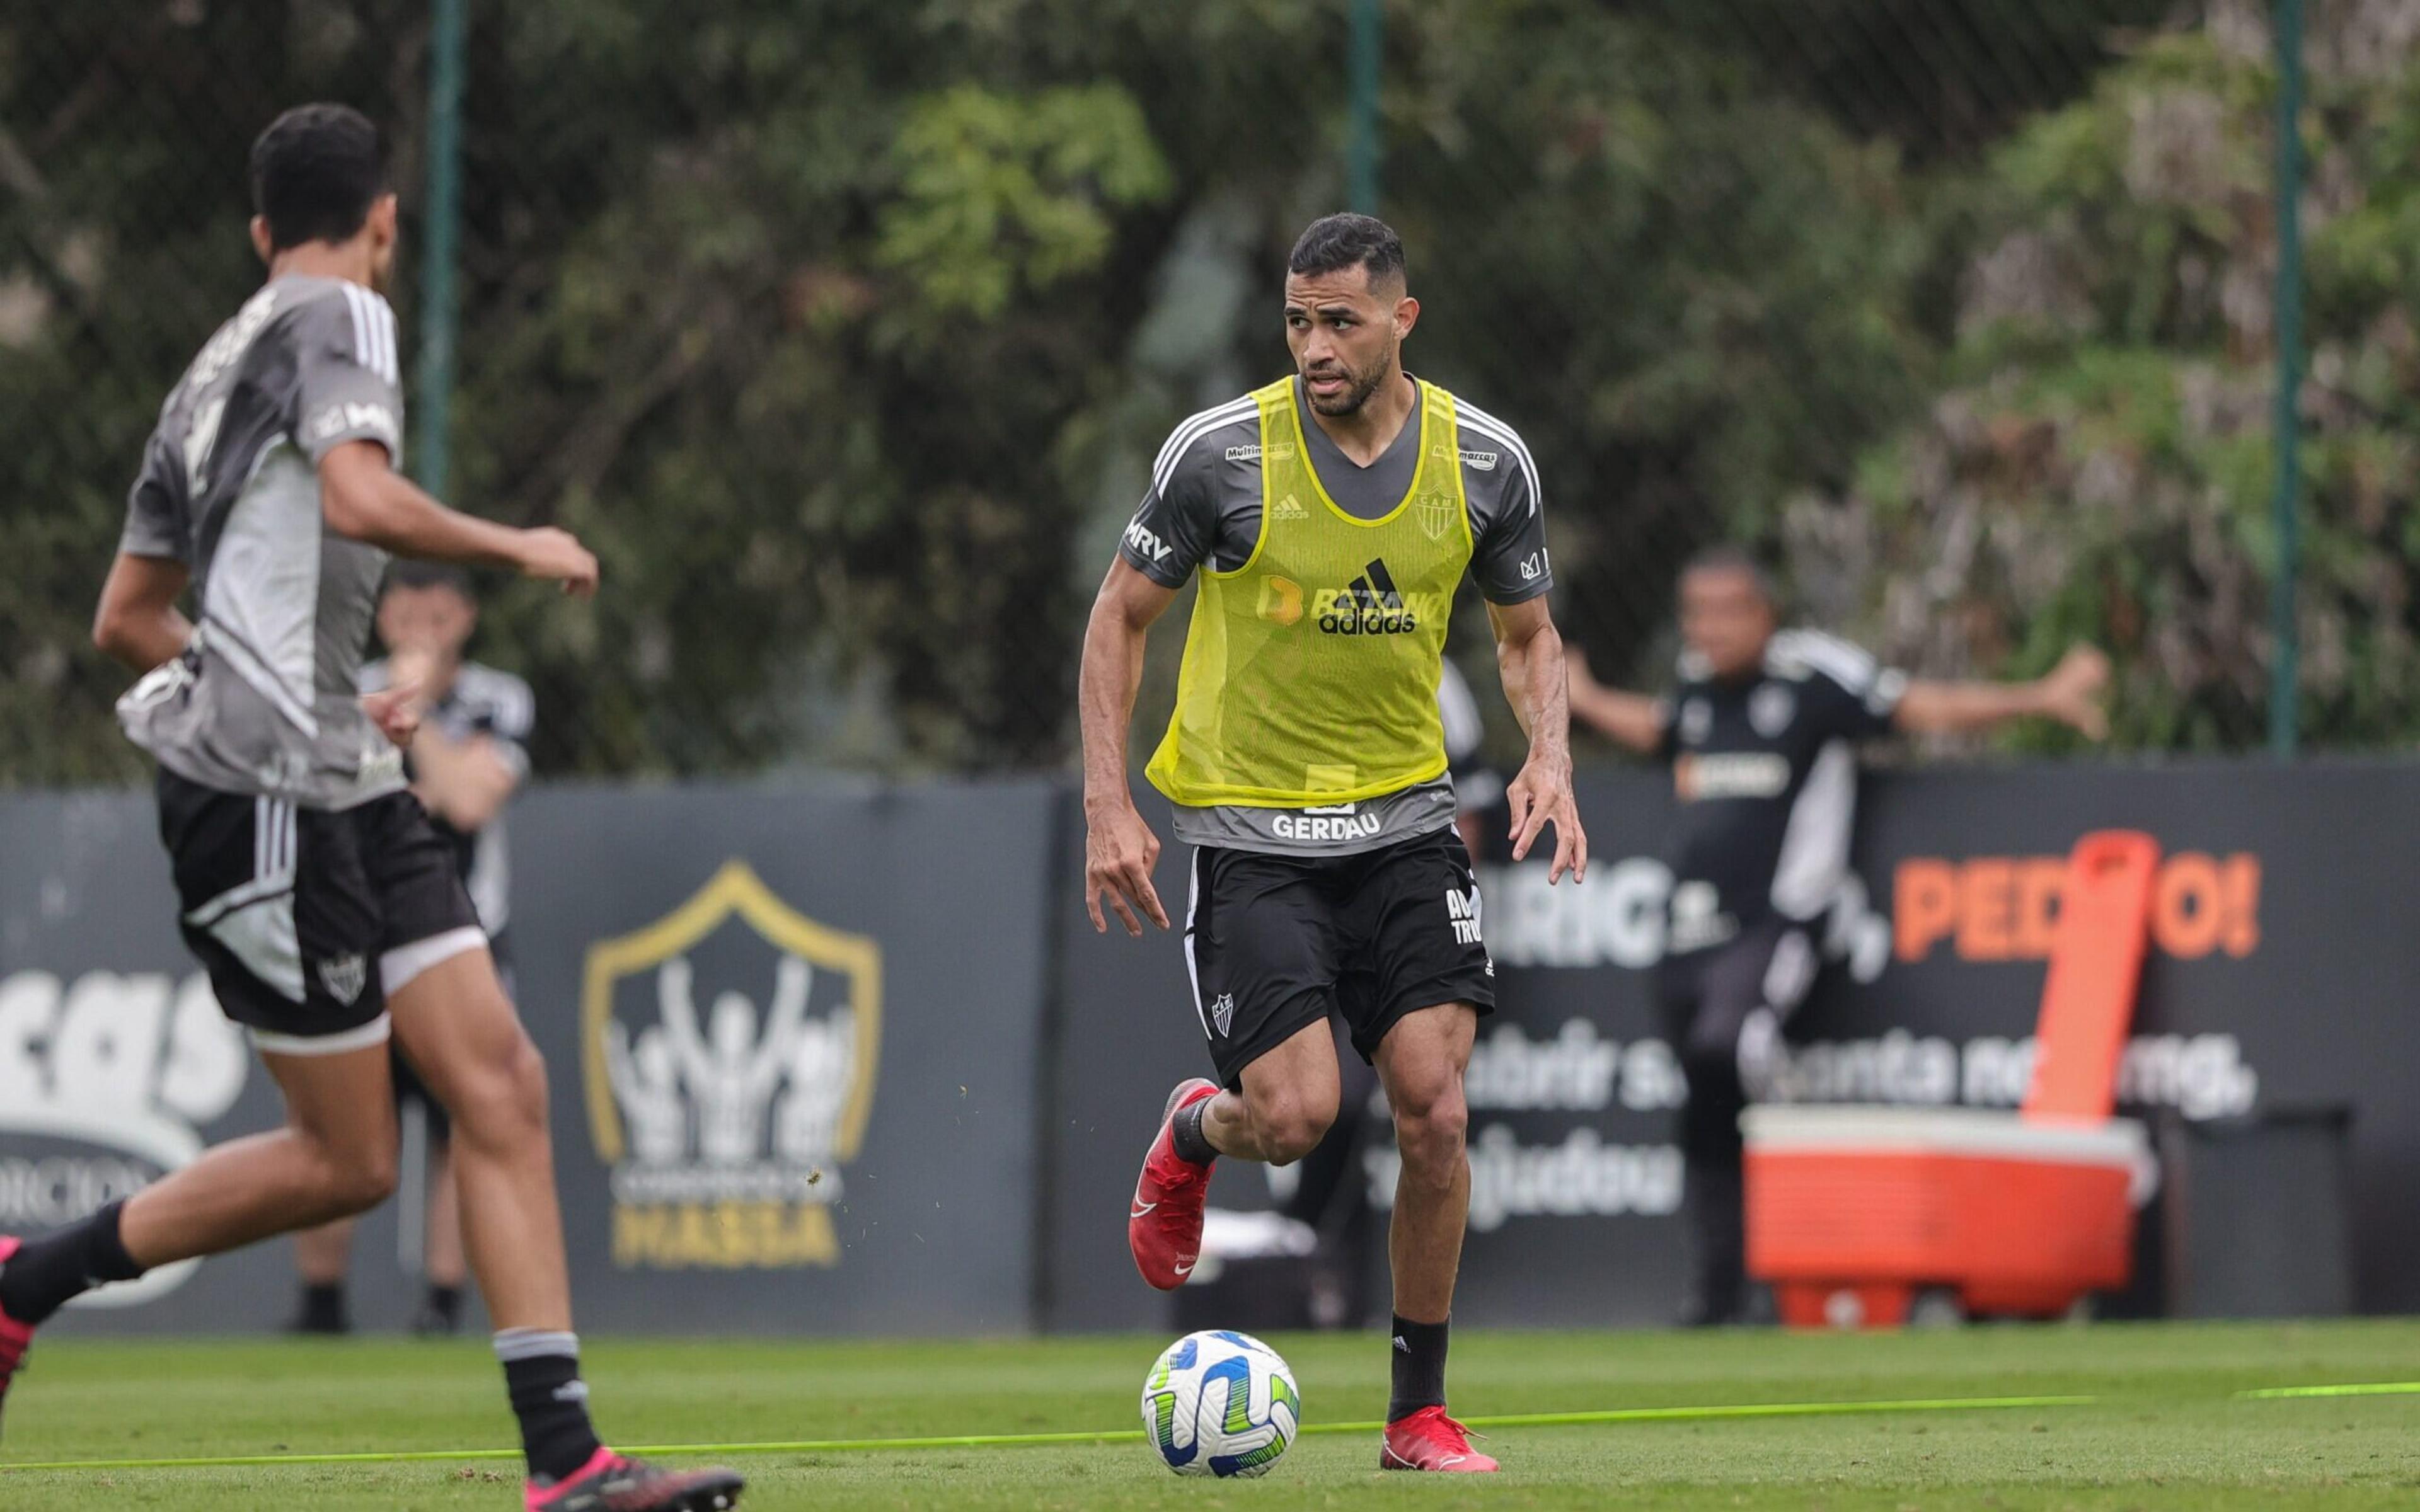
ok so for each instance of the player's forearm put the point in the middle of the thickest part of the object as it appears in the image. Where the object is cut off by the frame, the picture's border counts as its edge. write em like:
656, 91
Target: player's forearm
1630, 719
1952, 708
1537, 684
1112, 675
142, 638
386, 510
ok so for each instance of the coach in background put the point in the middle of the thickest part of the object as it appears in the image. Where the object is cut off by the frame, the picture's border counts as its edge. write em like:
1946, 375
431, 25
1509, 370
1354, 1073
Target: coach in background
1760, 734
466, 759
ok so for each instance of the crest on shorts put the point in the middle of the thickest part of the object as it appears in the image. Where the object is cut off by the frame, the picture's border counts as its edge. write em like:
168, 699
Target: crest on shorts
1222, 1012
345, 976
730, 1053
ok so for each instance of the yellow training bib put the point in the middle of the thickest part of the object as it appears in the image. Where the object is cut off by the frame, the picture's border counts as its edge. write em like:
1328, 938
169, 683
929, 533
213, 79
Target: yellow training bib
1311, 673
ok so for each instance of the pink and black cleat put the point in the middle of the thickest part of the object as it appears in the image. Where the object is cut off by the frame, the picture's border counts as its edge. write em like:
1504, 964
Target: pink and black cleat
1429, 1440
15, 1338
1164, 1226
613, 1483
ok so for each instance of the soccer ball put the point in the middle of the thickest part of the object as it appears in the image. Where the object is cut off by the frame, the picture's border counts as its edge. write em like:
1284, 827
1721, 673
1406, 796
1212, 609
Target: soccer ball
1221, 1404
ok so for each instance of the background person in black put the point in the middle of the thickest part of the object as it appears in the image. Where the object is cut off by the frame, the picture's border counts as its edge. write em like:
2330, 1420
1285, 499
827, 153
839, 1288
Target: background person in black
1760, 734
467, 757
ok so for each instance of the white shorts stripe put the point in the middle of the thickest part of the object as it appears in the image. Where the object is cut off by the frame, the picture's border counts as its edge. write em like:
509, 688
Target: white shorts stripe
1192, 971
375, 1032
398, 967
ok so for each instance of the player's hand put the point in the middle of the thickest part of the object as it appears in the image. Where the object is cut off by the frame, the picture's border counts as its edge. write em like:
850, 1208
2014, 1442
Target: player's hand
1541, 795
1120, 850
2071, 693
557, 556
395, 710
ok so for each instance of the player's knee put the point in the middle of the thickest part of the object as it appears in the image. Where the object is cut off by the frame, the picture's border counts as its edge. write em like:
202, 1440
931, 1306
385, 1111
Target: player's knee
1291, 1127
504, 1101
1432, 1123
355, 1181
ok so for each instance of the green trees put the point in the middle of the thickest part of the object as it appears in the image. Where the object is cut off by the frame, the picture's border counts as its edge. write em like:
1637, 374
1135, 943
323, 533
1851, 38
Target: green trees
847, 333
2098, 462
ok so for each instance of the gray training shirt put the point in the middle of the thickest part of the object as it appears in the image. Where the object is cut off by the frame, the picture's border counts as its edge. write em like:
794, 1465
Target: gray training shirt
267, 699
1204, 510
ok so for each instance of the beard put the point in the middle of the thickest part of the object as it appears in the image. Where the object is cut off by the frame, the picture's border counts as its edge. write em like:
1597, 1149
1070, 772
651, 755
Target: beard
1359, 386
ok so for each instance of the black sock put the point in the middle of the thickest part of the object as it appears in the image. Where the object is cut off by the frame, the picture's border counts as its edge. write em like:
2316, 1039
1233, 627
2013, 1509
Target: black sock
446, 1303
1185, 1131
1420, 1367
542, 1375
323, 1308
48, 1272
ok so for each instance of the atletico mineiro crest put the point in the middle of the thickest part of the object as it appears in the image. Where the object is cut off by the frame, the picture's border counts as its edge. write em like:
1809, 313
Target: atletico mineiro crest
730, 1051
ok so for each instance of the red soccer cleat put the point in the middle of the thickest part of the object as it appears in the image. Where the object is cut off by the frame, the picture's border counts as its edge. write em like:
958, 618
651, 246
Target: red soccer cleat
15, 1338
615, 1483
1164, 1226
1429, 1440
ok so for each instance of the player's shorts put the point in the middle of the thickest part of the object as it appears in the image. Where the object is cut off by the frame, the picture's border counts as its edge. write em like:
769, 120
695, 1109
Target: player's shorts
306, 919
1275, 943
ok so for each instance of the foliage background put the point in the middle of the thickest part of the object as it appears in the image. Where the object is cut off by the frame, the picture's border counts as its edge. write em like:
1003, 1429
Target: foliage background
846, 332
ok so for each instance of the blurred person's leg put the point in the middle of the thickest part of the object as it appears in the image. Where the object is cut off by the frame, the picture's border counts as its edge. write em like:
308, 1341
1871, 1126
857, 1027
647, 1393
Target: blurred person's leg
444, 1267
322, 1258
1724, 1009
448, 1266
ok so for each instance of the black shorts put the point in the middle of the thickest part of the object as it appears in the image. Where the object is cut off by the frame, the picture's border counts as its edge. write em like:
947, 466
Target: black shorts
1275, 943
305, 919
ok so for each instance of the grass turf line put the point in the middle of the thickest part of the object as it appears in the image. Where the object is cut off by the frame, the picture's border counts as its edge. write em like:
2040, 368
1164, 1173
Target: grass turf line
1020, 1440
2167, 1433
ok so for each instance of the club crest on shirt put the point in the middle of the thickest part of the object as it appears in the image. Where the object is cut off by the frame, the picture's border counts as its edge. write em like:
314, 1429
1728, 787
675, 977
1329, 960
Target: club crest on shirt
1435, 513
1697, 721
1770, 708
725, 1124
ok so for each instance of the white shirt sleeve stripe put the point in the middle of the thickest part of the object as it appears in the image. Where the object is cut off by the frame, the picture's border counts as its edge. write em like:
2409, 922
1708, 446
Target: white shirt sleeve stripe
361, 324
1850, 665
1496, 430
1183, 437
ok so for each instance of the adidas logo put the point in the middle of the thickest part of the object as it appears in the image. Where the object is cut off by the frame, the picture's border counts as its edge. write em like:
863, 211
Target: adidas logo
1370, 605
1404, 1344
1290, 508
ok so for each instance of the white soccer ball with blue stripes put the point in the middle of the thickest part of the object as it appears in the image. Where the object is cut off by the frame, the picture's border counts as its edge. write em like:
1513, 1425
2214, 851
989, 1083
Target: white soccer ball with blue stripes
1221, 1403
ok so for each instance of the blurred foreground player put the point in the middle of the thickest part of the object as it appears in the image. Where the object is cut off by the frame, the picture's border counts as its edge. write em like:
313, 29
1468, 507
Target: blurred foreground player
324, 905
1760, 734
1329, 517
466, 759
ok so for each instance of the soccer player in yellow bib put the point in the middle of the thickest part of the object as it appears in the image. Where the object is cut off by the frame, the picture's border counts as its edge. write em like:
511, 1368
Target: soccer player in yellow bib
1329, 519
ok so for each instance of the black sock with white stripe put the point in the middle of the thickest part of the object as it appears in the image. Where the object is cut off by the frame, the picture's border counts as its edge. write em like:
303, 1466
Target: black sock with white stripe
542, 1375
49, 1273
1420, 1367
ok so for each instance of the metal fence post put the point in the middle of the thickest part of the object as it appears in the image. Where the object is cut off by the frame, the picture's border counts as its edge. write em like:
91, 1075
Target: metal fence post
2285, 671
1361, 160
438, 313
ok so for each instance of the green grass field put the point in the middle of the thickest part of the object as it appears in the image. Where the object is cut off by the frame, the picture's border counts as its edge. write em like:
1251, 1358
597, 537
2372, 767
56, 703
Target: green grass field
2165, 1431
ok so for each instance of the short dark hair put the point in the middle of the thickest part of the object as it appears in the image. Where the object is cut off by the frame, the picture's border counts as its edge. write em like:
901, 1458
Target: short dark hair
423, 575
1726, 557
315, 173
1335, 243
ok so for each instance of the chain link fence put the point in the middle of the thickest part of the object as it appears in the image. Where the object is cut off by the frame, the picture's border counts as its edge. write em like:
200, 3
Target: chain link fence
847, 334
